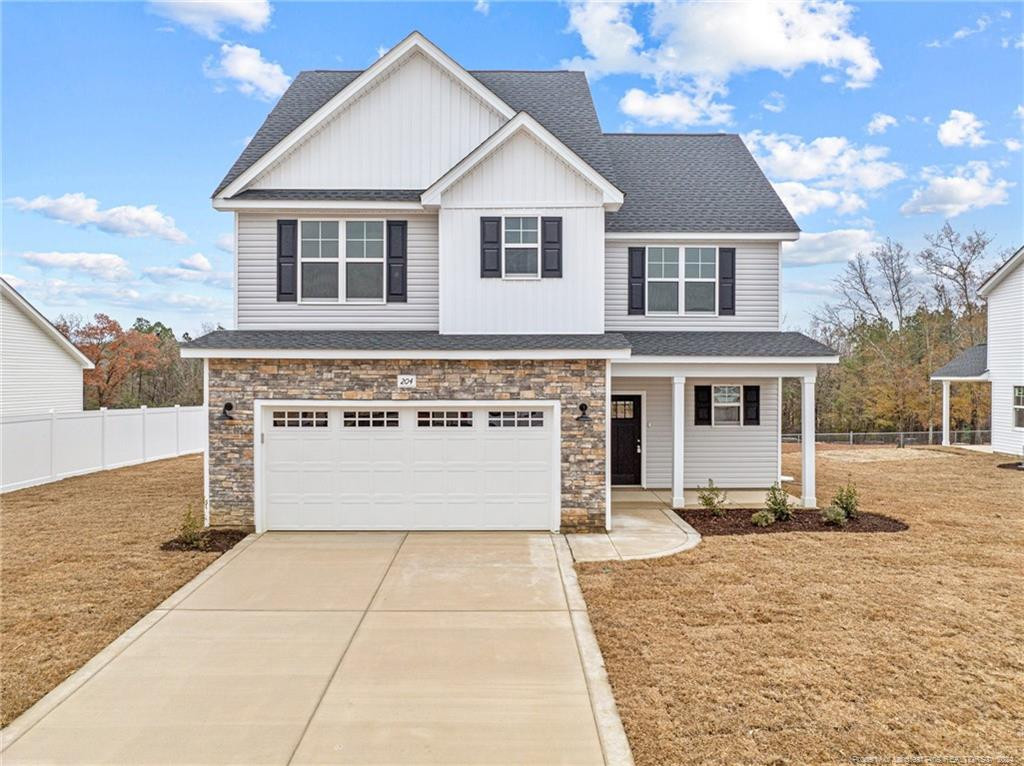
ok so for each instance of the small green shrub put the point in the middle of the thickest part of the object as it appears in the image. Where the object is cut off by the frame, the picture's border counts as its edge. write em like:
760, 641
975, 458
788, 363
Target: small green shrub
191, 530
833, 515
776, 502
712, 499
763, 518
846, 500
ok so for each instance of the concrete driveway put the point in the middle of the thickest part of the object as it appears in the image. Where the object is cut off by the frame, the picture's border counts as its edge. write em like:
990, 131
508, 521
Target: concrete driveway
357, 648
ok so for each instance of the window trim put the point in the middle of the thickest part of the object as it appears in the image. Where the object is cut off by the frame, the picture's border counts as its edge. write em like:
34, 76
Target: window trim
1015, 407
738, 406
535, 246
342, 261
680, 281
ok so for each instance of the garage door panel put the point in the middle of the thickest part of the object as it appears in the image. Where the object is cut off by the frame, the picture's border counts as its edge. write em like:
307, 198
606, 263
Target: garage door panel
493, 474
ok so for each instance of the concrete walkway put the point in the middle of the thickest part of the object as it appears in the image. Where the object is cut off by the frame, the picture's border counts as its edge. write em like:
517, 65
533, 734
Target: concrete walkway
640, 530
349, 648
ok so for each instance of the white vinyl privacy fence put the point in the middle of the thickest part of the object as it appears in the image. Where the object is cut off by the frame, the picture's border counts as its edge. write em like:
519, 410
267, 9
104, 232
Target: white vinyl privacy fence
45, 447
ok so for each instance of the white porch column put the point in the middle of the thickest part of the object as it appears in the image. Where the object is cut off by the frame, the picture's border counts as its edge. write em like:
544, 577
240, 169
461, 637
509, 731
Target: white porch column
678, 421
807, 432
945, 413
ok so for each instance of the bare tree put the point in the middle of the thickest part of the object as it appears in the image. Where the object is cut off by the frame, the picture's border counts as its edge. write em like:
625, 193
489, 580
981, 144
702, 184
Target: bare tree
957, 266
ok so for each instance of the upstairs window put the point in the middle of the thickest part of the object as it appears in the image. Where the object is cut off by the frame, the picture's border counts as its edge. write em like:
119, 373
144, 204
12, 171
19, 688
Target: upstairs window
663, 280
335, 269
521, 253
318, 260
700, 279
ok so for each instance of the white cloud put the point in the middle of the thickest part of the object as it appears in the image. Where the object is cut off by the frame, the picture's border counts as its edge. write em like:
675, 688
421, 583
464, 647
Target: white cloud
833, 161
836, 246
980, 25
100, 265
1019, 112
252, 74
190, 302
381, 50
970, 187
1012, 145
16, 282
482, 6
195, 269
809, 288
678, 109
210, 17
60, 292
78, 210
776, 102
962, 129
881, 122
226, 242
702, 45
802, 199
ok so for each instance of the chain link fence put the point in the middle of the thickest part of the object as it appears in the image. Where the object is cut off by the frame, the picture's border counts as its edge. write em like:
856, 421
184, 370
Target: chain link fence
896, 438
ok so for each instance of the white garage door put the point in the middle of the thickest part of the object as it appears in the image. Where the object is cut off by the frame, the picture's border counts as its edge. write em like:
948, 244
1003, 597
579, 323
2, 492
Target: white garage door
462, 467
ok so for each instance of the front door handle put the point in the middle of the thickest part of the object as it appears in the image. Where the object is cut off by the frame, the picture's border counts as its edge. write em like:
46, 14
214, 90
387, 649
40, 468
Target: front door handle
638, 446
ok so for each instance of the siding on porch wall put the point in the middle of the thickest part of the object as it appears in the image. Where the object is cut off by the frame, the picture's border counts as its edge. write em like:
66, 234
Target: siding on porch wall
240, 381
737, 457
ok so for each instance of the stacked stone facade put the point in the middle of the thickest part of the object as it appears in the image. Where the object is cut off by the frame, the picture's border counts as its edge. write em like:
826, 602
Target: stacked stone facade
241, 381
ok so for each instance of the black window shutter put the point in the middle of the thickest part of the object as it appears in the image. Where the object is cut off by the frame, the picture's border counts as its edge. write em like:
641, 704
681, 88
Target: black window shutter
727, 281
751, 405
287, 260
398, 261
551, 247
490, 247
702, 405
636, 280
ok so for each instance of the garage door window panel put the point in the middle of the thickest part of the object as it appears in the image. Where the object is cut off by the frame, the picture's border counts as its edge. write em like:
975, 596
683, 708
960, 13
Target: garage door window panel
370, 419
444, 419
300, 419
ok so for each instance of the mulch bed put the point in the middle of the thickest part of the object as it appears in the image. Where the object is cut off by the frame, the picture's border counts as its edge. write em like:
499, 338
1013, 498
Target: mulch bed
736, 521
216, 540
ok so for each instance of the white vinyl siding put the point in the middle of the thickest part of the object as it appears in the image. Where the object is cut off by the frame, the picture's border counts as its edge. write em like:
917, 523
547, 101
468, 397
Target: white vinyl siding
256, 291
757, 291
522, 178
1006, 358
36, 374
410, 127
739, 457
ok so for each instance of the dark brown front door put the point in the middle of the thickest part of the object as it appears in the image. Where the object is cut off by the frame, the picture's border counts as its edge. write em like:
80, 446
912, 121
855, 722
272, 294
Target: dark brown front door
626, 439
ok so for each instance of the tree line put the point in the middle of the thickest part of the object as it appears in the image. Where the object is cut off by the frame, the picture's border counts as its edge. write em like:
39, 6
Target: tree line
896, 317
140, 365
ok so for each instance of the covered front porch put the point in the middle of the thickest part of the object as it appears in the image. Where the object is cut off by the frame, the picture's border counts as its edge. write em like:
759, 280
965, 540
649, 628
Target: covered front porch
675, 425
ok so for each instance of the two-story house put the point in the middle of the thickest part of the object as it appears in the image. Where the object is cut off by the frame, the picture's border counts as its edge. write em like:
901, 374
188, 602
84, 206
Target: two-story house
999, 361
461, 305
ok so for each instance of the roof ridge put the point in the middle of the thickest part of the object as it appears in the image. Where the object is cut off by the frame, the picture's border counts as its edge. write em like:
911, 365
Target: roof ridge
624, 133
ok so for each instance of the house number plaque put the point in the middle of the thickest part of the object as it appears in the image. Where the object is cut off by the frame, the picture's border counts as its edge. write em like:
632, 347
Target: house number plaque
407, 381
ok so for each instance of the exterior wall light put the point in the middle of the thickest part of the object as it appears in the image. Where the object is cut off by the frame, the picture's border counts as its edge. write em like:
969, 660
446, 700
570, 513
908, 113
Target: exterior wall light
225, 413
583, 417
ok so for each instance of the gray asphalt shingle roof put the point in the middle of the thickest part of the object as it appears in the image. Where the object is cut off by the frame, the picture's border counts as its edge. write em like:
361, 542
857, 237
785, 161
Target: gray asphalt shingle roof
675, 182
357, 195
969, 363
781, 344
725, 343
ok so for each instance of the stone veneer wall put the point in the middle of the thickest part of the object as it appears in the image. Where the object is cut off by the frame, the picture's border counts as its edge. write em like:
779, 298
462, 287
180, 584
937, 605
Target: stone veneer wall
240, 381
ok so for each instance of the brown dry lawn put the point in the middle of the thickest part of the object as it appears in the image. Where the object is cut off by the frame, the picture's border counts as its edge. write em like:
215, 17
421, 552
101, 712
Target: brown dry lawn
80, 563
813, 648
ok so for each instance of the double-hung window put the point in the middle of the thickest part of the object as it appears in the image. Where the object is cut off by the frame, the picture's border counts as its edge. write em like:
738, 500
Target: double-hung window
699, 275
521, 251
334, 268
364, 261
663, 280
1018, 406
318, 260
726, 405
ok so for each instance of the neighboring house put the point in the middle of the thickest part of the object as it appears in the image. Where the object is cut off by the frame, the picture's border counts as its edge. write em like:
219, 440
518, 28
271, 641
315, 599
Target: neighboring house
1000, 361
461, 305
40, 369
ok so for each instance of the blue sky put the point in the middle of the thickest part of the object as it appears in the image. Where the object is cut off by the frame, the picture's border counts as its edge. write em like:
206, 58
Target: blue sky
119, 119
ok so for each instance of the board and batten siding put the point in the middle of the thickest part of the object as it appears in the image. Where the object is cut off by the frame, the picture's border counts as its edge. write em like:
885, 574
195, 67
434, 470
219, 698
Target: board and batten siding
36, 374
1006, 358
737, 457
522, 178
405, 132
757, 290
256, 291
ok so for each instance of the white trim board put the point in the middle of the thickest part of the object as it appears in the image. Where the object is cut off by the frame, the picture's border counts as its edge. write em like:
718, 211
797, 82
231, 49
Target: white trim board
414, 43
612, 196
259, 405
